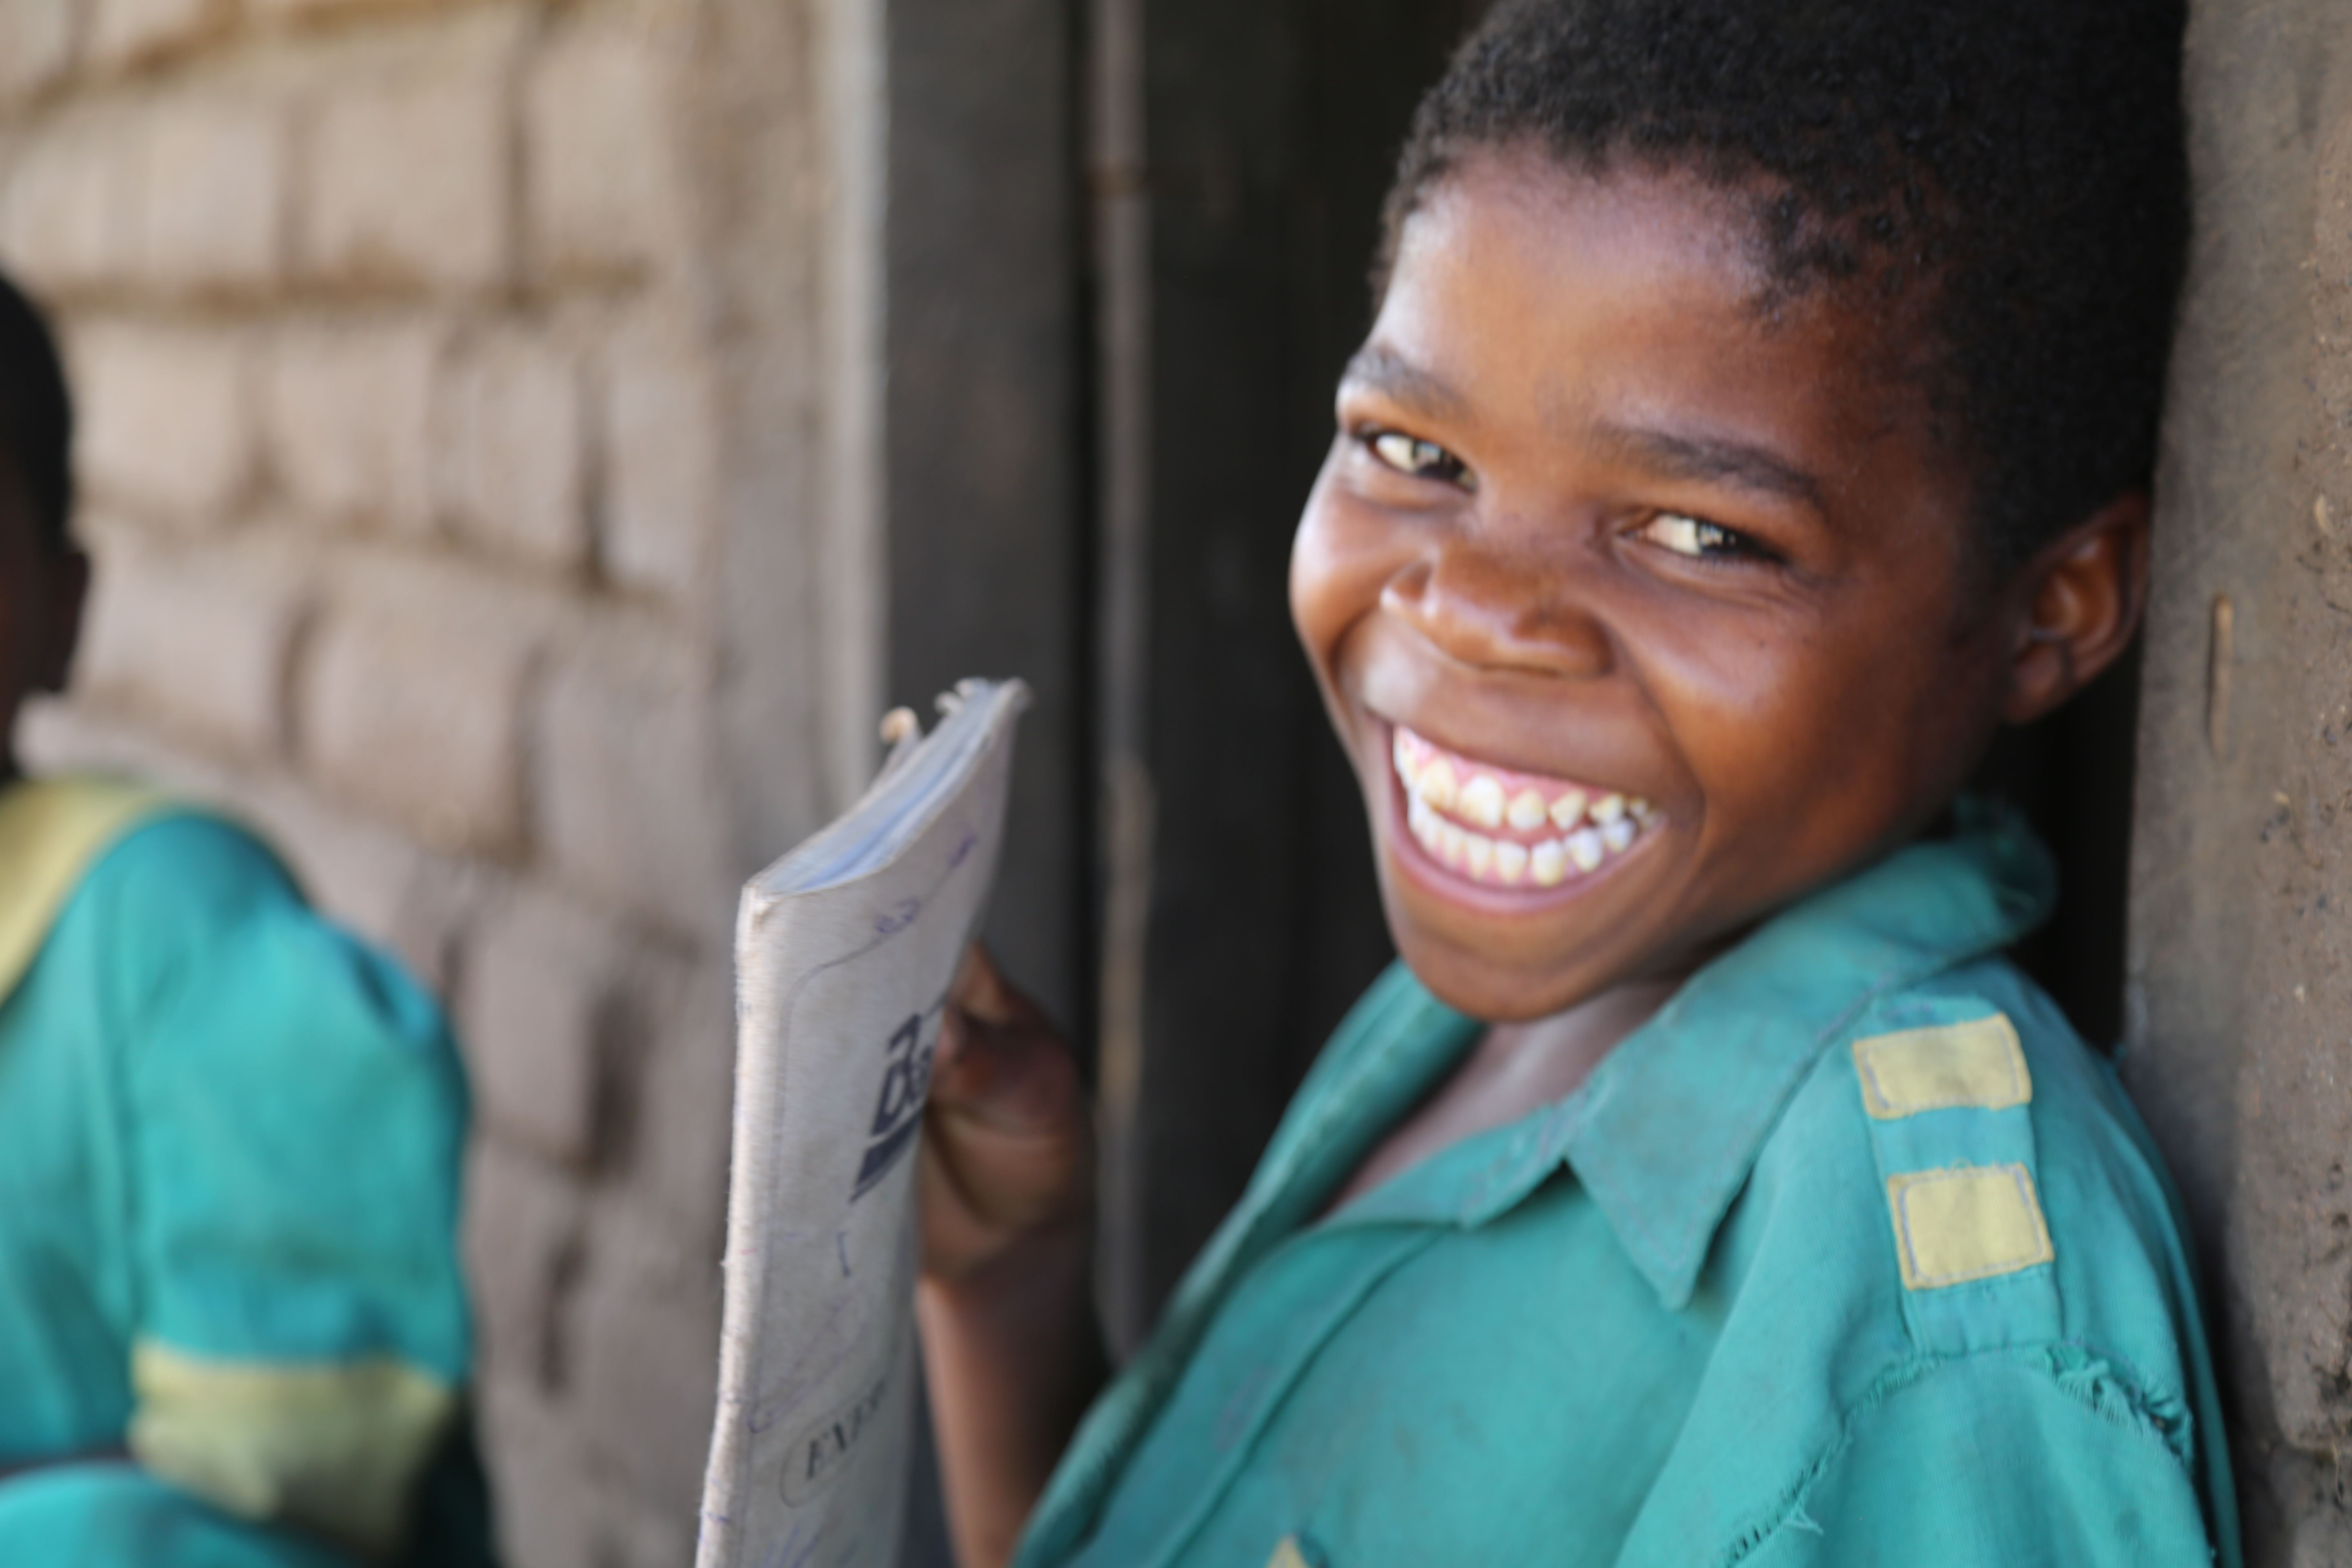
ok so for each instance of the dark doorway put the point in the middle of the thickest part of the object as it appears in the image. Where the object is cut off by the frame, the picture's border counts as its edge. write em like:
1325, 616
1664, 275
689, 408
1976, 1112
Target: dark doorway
1269, 134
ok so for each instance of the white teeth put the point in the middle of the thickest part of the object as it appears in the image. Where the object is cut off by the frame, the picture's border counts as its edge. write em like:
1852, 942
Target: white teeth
1479, 850
1546, 864
1482, 801
1584, 848
1437, 784
1446, 803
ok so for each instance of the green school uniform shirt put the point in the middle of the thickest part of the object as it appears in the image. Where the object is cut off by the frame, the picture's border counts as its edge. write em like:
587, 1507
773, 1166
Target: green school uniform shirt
229, 1150
1853, 1255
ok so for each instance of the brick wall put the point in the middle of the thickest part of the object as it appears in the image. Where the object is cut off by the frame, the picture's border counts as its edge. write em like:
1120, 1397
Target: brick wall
458, 466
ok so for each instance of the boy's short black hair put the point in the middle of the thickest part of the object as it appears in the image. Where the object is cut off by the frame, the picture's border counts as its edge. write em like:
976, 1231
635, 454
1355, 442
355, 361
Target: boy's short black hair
36, 414
2025, 159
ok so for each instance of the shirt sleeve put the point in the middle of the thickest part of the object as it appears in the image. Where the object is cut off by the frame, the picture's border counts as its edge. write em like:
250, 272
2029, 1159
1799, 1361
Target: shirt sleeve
296, 1116
1993, 1462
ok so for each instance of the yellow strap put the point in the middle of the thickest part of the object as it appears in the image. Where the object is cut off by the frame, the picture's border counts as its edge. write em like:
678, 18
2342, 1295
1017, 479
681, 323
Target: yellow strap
1976, 1064
51, 831
335, 1445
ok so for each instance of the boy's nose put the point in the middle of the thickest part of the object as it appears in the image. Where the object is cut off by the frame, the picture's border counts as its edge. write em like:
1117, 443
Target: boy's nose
1493, 613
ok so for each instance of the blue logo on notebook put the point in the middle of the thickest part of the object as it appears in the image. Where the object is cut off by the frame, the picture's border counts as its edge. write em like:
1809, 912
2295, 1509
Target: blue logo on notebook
898, 1111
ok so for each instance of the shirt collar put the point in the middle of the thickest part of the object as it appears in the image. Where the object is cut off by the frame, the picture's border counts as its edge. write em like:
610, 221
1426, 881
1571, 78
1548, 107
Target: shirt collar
1663, 1133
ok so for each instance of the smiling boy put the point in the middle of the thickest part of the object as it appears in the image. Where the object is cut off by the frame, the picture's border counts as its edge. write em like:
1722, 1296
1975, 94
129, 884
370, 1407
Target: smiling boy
1757, 416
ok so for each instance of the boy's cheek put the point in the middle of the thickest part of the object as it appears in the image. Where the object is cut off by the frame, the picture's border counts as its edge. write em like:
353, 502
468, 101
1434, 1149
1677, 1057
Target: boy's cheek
1343, 554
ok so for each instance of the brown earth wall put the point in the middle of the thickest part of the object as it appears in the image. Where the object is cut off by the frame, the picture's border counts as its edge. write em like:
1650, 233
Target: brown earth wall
456, 468
2240, 971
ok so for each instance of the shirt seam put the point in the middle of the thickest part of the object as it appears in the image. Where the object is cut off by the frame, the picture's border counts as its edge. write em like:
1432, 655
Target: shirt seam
1687, 1253
1244, 1452
1092, 1485
1788, 1508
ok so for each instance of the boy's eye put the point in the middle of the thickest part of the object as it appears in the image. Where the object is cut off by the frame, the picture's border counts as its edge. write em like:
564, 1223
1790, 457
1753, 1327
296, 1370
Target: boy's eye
1412, 455
1696, 537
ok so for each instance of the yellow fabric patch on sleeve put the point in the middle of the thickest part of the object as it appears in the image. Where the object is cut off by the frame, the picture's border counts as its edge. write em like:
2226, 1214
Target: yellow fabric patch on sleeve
1977, 1064
1967, 1221
1286, 1554
331, 1444
50, 832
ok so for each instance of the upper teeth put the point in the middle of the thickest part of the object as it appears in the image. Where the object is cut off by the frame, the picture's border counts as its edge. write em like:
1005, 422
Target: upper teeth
1435, 785
1481, 800
1440, 788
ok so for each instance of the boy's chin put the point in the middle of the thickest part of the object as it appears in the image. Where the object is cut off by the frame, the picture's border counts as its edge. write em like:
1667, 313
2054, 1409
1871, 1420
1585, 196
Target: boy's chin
1503, 986
1492, 999
1506, 964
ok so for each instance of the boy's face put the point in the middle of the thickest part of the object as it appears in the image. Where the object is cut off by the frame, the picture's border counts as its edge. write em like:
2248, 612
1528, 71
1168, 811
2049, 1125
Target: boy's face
1663, 608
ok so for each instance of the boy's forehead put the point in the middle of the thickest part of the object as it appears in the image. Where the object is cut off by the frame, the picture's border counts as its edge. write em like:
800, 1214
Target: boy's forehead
1591, 225
1580, 288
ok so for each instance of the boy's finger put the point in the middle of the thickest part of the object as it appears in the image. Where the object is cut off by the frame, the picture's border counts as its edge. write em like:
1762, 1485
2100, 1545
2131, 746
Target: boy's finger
981, 992
1016, 1080
967, 1219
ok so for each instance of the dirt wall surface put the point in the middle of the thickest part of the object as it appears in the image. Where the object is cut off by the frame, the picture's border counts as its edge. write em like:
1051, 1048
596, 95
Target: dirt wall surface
467, 471
2240, 971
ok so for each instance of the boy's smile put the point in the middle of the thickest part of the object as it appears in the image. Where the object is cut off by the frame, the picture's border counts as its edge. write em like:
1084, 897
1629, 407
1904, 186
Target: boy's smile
1502, 828
1641, 609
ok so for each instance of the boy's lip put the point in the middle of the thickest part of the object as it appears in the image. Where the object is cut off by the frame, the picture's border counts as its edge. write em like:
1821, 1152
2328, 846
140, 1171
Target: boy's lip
1504, 840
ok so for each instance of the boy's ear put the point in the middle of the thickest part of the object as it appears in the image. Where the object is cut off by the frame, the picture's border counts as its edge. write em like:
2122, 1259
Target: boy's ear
2079, 603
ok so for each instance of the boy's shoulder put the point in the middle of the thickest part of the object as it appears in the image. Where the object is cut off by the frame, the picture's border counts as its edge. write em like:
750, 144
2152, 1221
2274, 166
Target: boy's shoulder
115, 889
1958, 1225
175, 874
171, 844
1974, 1181
63, 841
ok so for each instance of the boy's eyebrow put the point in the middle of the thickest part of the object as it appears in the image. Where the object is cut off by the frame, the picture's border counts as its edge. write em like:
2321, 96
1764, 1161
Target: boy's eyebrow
1712, 457
1390, 372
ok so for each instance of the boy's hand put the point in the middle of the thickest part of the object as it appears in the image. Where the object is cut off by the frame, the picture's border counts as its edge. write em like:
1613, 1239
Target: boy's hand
1007, 1184
1008, 1145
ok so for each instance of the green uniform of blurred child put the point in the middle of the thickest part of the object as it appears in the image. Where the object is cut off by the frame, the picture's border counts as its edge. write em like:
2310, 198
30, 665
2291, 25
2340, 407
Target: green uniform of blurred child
233, 1330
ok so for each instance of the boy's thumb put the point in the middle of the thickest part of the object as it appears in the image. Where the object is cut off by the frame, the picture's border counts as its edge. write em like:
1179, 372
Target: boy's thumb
981, 992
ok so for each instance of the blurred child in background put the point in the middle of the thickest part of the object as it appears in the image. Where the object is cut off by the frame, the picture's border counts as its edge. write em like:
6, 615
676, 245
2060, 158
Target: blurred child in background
233, 1330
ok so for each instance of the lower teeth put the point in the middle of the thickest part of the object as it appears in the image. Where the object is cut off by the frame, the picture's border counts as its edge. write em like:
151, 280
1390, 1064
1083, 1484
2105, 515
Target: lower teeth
1505, 860
1584, 848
